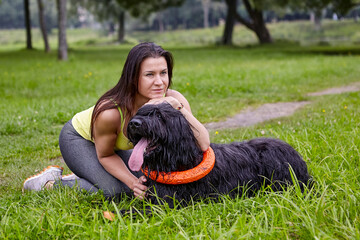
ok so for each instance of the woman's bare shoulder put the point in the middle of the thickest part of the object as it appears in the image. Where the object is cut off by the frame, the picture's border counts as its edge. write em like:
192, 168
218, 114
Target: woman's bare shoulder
108, 120
174, 93
177, 95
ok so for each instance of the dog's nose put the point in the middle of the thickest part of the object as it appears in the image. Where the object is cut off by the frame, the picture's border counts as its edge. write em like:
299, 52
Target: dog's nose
135, 123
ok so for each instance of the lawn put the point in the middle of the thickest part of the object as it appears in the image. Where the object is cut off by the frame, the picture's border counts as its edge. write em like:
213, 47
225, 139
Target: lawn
39, 94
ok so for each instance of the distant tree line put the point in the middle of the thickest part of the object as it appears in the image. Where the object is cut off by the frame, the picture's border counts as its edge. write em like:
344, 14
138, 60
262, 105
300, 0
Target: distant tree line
12, 14
189, 14
165, 15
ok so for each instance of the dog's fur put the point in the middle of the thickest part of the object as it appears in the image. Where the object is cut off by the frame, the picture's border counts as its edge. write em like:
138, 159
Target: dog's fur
239, 166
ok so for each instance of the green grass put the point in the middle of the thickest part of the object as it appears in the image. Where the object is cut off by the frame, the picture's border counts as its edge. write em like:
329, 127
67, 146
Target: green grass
38, 95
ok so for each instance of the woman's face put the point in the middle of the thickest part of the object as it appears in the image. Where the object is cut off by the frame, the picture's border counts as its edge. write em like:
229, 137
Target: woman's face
153, 79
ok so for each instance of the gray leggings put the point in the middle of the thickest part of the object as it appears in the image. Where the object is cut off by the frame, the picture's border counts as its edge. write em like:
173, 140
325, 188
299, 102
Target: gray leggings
80, 156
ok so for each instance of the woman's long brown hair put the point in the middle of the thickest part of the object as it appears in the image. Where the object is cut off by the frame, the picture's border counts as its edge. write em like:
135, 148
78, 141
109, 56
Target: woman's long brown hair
123, 94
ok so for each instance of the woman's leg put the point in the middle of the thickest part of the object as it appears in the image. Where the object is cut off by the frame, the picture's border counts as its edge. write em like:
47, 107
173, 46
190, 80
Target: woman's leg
80, 156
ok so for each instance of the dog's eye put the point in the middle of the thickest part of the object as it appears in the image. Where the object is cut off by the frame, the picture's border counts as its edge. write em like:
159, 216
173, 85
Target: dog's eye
156, 114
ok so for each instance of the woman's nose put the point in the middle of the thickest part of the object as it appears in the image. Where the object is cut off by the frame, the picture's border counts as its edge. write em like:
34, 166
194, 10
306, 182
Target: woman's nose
159, 79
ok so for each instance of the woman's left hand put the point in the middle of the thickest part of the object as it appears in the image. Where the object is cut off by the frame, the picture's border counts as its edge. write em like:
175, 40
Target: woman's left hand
139, 188
179, 102
171, 100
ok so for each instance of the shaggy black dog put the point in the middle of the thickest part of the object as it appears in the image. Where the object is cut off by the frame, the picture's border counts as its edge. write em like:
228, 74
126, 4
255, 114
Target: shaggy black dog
168, 145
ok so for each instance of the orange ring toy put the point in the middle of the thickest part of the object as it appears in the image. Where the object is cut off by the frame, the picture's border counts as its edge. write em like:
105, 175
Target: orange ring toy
187, 176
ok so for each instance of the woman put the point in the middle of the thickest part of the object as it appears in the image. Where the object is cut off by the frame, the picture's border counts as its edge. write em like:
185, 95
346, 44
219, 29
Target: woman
94, 143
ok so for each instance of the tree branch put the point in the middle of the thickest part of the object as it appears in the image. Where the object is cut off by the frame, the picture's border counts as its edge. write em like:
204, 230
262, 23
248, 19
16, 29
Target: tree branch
244, 21
248, 7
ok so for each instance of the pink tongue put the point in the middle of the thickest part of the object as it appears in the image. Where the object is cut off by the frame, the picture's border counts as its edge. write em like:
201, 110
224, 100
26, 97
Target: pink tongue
137, 156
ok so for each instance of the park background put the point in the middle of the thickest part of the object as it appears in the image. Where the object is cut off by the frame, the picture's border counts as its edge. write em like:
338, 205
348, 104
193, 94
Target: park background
223, 67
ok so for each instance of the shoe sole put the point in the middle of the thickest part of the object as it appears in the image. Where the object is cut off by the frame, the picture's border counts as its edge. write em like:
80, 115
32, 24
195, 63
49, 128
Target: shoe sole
56, 167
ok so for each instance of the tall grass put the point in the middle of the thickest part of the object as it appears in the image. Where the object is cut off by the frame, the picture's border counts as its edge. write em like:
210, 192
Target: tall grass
38, 95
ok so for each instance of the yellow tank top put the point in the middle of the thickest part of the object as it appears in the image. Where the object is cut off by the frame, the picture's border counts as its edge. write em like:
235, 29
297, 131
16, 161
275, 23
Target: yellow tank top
82, 120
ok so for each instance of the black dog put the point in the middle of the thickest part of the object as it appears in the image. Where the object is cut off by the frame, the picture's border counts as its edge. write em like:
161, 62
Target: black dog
167, 144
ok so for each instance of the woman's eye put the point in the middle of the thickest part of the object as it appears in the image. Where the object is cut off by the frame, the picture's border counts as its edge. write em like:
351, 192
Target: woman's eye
163, 73
149, 74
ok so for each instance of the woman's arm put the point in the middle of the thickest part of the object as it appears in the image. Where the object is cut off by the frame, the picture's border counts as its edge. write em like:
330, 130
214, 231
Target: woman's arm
105, 135
175, 98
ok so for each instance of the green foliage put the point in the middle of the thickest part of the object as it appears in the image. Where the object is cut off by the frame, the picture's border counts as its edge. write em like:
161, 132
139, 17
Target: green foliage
338, 6
12, 14
145, 7
105, 10
343, 6
38, 95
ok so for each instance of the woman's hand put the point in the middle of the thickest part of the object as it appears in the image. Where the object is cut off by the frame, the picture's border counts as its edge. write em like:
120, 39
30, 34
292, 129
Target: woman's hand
139, 188
171, 100
179, 102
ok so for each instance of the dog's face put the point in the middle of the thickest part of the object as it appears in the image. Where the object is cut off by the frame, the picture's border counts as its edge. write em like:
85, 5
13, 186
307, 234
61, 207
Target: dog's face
153, 122
163, 137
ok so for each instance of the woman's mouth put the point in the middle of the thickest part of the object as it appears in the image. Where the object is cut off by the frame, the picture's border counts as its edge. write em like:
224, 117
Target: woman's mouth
158, 90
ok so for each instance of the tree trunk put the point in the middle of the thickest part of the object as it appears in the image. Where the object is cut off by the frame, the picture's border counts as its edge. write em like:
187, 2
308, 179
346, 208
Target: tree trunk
317, 19
111, 28
260, 29
42, 25
27, 24
206, 5
312, 17
230, 21
255, 24
121, 30
159, 17
62, 50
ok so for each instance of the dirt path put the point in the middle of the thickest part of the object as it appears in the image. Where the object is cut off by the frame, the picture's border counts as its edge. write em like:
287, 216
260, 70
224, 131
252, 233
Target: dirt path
270, 111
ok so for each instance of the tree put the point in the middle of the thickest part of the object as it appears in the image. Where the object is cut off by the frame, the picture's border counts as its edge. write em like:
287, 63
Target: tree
159, 19
114, 10
206, 7
105, 11
145, 7
27, 24
191, 14
317, 7
344, 6
230, 22
12, 14
63, 47
43, 25
121, 31
255, 21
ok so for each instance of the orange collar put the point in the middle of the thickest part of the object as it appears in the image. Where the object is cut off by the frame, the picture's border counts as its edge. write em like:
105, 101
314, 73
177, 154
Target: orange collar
187, 176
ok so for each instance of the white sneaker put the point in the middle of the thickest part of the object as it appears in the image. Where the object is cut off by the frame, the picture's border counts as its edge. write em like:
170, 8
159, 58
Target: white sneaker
38, 181
70, 176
